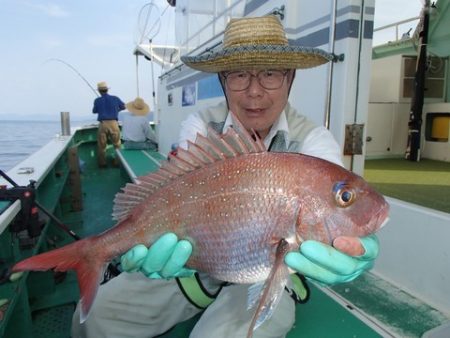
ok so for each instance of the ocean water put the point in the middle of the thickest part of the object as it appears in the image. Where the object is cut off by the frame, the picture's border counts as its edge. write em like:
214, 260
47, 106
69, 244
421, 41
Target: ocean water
19, 139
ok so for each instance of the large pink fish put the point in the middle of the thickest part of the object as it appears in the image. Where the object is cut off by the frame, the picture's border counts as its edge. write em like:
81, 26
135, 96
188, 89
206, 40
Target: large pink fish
240, 206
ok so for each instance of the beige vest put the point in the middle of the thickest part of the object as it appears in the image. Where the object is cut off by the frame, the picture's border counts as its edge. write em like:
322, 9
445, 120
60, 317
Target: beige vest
299, 126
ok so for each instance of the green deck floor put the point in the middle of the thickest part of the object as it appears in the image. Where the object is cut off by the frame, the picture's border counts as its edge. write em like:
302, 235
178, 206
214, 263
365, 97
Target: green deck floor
426, 183
320, 317
403, 314
55, 322
97, 196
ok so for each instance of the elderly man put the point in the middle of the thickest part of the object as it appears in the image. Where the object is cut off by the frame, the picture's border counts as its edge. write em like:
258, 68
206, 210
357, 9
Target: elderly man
256, 68
136, 131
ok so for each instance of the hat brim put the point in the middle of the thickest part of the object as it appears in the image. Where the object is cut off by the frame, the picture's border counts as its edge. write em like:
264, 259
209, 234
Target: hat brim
258, 57
132, 109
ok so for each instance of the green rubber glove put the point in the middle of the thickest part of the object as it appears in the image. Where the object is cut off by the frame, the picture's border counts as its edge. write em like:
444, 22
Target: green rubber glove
164, 259
327, 265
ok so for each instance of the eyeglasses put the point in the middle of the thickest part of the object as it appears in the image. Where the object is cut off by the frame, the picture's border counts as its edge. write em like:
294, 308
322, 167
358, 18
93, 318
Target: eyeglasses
268, 79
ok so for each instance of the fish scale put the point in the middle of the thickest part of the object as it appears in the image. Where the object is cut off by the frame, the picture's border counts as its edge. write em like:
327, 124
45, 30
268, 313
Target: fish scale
241, 207
243, 229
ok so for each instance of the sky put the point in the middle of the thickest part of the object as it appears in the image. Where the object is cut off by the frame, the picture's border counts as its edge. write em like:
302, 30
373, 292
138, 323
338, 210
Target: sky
97, 39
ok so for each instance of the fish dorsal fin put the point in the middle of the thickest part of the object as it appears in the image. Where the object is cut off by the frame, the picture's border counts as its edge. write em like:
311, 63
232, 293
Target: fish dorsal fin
204, 151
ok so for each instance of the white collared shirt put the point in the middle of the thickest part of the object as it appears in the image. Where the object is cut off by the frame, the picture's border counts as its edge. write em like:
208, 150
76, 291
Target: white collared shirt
318, 143
279, 125
136, 128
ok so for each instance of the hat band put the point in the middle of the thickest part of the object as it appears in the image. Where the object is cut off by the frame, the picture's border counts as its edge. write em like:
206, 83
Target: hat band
263, 49
258, 57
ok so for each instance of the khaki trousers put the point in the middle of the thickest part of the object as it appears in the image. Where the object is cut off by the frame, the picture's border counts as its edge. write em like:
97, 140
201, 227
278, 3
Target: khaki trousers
108, 129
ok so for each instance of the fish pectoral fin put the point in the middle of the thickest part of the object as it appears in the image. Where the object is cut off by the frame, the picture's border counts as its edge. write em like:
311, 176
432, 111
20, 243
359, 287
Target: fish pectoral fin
254, 294
271, 291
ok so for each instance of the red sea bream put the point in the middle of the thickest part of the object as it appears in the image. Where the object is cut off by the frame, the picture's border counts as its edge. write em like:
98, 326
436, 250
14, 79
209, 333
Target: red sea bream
240, 206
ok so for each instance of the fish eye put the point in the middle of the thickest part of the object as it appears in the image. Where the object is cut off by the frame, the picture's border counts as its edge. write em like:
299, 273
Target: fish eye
344, 195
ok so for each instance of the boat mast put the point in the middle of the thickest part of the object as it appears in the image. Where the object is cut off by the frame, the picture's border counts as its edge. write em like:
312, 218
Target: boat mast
415, 115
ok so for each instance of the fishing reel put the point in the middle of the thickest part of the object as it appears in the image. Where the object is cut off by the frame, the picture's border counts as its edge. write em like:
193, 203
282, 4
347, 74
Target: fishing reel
27, 224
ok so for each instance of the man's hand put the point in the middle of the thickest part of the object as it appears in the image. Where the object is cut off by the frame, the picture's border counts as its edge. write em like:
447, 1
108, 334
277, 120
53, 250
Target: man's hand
344, 261
164, 259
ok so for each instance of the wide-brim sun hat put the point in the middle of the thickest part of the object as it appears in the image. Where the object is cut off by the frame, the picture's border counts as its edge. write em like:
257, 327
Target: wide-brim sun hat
102, 85
138, 107
256, 43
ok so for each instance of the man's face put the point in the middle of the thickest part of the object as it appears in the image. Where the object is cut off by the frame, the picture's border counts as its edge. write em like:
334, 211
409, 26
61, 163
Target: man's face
257, 107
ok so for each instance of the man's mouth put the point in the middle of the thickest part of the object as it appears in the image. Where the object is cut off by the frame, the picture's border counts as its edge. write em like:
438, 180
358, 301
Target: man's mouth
254, 111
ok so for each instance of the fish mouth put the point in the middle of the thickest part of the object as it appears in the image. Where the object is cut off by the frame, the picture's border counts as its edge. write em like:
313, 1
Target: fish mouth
386, 220
368, 226
381, 218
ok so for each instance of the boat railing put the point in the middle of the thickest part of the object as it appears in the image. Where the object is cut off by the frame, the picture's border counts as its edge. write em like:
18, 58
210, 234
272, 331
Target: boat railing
193, 41
34, 168
394, 32
203, 40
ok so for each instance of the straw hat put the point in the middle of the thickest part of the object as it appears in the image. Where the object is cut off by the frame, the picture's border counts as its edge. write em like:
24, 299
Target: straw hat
138, 107
256, 43
102, 86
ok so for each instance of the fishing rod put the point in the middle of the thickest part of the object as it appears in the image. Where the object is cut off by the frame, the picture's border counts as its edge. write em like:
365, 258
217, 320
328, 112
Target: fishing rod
76, 71
412, 152
25, 193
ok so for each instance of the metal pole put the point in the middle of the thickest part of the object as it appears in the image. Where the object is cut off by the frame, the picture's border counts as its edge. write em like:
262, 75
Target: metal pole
327, 116
415, 116
155, 109
65, 123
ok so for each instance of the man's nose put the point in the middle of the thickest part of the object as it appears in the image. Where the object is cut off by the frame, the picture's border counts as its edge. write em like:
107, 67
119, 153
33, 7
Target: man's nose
255, 87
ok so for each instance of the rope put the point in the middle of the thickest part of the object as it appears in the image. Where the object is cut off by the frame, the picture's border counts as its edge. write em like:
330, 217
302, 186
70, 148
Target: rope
153, 75
137, 75
167, 38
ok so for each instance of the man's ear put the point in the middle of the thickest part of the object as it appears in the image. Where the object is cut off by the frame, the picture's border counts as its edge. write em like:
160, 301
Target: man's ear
290, 78
291, 75
222, 83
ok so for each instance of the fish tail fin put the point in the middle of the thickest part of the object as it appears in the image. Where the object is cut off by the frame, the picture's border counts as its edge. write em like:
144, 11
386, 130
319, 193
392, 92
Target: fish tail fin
72, 257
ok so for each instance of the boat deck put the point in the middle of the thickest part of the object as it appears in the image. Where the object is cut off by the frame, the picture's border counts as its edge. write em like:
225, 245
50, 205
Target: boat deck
367, 307
426, 183
41, 304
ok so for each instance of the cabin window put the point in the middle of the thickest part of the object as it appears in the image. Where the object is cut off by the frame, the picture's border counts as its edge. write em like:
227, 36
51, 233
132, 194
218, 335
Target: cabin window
435, 77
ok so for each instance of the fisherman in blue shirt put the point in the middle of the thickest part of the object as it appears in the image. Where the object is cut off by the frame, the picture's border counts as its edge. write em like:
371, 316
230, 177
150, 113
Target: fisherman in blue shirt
107, 107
